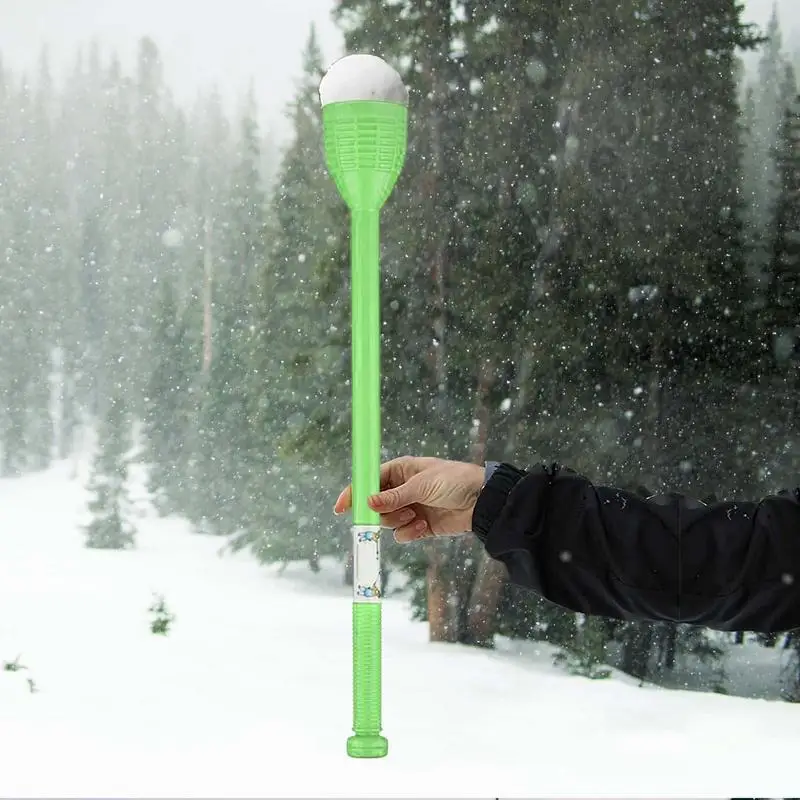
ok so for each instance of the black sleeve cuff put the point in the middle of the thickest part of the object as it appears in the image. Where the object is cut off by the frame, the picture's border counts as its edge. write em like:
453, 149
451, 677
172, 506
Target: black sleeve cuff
493, 497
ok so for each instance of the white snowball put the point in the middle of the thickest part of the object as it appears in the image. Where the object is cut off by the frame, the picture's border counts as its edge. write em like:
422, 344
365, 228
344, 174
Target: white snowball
362, 77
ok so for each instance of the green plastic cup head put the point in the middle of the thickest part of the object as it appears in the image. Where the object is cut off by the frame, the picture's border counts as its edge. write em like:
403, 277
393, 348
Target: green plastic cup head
365, 147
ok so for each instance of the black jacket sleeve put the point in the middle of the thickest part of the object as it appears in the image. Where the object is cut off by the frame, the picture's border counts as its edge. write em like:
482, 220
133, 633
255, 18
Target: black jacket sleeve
607, 552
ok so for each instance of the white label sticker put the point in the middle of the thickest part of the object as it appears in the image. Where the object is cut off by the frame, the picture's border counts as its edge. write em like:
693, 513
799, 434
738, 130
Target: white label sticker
366, 563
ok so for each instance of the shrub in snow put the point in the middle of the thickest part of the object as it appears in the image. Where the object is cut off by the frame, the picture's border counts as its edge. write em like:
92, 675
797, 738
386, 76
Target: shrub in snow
15, 666
161, 617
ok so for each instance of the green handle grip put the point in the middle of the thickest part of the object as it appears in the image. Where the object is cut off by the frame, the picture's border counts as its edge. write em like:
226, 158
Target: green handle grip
367, 741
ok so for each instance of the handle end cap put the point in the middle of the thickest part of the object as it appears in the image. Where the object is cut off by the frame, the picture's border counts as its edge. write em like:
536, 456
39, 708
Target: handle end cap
367, 746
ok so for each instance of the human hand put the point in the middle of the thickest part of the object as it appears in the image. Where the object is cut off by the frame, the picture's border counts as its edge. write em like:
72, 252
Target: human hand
422, 497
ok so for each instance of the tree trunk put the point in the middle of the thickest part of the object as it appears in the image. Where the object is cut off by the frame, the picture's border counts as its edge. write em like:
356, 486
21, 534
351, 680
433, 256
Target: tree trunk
443, 605
438, 590
770, 640
492, 575
487, 589
655, 412
666, 637
672, 647
348, 569
636, 649
68, 412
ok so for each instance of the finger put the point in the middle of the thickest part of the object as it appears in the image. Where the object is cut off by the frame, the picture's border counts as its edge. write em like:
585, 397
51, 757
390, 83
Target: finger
344, 501
397, 497
395, 472
398, 518
391, 474
412, 532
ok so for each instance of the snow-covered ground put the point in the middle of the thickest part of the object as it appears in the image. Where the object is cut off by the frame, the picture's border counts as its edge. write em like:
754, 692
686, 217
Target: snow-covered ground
249, 694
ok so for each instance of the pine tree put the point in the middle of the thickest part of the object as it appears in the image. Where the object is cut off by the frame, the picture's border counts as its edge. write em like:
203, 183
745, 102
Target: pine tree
692, 330
308, 223
227, 447
782, 311
511, 155
754, 242
763, 108
246, 226
473, 202
293, 407
26, 430
423, 242
80, 152
111, 526
169, 404
621, 120
784, 265
770, 105
149, 217
212, 149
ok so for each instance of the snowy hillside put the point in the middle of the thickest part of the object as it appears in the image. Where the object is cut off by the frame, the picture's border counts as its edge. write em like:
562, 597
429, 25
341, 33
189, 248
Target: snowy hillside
249, 694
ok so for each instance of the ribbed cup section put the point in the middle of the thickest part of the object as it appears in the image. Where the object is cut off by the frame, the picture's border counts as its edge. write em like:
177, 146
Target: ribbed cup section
365, 147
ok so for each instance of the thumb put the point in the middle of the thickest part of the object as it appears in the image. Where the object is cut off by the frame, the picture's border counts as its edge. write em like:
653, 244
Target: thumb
412, 491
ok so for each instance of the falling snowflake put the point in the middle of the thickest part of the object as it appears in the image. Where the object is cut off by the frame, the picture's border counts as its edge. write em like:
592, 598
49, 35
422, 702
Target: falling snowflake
172, 237
536, 71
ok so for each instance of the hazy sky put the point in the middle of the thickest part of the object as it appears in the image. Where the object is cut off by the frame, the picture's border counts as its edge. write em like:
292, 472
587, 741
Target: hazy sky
204, 42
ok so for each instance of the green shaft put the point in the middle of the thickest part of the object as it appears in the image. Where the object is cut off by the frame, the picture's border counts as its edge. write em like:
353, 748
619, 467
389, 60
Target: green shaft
366, 377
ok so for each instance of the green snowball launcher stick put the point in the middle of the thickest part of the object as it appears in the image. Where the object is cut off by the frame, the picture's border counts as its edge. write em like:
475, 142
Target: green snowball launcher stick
365, 124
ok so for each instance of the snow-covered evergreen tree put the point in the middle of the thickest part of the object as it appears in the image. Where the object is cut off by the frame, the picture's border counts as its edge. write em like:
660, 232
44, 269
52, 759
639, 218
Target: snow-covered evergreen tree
111, 526
291, 358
